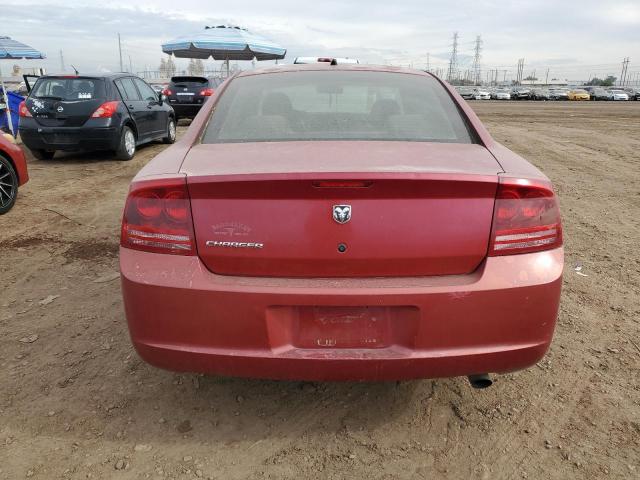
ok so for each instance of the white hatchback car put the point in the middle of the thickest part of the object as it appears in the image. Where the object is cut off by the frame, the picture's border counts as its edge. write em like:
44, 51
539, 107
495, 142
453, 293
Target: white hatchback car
480, 94
618, 95
501, 95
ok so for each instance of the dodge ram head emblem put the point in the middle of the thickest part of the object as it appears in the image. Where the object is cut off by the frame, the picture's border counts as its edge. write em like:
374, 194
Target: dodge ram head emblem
342, 213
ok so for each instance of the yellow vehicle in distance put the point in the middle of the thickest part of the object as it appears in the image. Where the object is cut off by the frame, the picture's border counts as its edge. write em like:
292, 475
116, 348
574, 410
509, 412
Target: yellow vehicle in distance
579, 94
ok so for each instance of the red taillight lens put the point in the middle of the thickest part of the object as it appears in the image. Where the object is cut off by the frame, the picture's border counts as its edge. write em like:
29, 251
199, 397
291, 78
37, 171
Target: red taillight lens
106, 110
23, 111
167, 92
526, 218
206, 92
157, 218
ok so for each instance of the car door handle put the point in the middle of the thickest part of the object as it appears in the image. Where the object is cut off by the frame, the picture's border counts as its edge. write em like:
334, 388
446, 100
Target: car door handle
130, 106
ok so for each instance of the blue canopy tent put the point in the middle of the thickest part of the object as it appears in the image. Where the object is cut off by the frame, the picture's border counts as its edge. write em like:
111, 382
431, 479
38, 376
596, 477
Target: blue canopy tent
11, 49
224, 43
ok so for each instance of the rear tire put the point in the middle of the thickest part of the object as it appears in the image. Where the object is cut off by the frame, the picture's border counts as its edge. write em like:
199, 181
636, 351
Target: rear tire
171, 132
41, 154
127, 146
8, 185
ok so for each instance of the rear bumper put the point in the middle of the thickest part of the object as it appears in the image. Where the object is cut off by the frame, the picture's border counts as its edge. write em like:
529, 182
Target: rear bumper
70, 138
182, 317
186, 110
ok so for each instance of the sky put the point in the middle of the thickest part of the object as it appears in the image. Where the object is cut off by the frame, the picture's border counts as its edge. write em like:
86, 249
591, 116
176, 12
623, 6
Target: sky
574, 39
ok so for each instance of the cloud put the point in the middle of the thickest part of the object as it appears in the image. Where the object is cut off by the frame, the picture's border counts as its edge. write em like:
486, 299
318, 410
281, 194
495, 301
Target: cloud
573, 37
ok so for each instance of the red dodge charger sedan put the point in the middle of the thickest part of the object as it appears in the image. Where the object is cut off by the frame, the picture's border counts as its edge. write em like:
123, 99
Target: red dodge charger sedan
340, 222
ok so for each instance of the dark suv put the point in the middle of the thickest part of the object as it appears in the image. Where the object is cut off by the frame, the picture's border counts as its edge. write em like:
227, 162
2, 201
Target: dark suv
114, 112
187, 94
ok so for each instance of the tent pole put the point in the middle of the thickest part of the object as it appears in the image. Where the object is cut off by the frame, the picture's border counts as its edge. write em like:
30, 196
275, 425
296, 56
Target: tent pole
6, 102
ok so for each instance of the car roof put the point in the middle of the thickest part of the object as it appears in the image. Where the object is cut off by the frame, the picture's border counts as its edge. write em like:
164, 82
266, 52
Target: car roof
323, 66
110, 75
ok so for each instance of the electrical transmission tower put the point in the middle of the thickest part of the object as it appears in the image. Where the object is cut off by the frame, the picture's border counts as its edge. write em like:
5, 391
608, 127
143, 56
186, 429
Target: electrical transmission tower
520, 69
476, 61
453, 62
623, 75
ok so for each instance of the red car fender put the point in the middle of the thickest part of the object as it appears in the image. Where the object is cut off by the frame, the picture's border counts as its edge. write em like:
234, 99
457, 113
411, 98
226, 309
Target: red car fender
14, 153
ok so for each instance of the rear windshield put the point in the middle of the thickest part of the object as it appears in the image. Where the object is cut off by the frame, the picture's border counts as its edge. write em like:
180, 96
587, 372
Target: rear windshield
338, 105
189, 81
69, 89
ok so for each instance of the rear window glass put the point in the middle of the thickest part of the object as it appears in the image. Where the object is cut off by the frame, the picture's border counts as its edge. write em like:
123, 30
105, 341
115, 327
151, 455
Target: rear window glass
178, 81
338, 105
69, 89
127, 89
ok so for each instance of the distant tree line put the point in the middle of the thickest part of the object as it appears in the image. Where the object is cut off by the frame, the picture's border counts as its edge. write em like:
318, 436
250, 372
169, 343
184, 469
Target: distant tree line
168, 67
599, 82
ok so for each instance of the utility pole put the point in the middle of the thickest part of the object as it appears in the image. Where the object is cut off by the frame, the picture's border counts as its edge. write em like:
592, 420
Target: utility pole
476, 60
61, 62
130, 65
546, 78
428, 66
120, 51
453, 61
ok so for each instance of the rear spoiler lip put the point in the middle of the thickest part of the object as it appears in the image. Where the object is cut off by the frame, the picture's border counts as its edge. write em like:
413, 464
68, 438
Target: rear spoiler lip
178, 79
339, 176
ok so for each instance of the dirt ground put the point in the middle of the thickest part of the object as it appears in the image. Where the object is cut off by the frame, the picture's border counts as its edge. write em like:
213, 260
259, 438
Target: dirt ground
76, 401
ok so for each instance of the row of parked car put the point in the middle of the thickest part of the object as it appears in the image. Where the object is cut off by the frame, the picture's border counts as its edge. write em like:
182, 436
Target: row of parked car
552, 93
113, 112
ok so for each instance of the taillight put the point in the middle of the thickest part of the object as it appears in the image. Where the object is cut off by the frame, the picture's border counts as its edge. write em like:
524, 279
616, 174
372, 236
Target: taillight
106, 110
206, 92
167, 92
157, 218
23, 111
526, 218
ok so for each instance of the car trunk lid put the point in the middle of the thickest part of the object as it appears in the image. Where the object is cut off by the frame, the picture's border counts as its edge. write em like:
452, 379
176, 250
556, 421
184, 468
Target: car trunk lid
280, 209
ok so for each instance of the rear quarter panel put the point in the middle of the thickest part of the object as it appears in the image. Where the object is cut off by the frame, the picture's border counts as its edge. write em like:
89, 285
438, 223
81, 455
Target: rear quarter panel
513, 164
